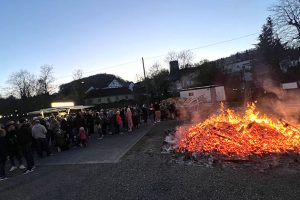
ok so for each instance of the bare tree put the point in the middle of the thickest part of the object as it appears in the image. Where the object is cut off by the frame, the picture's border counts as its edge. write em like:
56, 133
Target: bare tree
77, 74
23, 84
154, 69
171, 56
184, 58
45, 81
139, 78
286, 16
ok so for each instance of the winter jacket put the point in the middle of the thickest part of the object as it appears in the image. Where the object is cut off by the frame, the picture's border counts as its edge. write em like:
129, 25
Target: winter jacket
12, 140
3, 146
82, 135
24, 134
39, 131
118, 119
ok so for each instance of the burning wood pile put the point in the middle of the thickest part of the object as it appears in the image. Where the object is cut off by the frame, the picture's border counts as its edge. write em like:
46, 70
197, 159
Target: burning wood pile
229, 136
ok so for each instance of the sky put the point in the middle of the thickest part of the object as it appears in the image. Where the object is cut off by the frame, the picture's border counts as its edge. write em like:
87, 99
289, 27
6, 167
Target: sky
111, 36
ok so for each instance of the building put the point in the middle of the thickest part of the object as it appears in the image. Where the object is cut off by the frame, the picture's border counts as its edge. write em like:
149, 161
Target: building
181, 78
207, 94
113, 92
289, 63
108, 95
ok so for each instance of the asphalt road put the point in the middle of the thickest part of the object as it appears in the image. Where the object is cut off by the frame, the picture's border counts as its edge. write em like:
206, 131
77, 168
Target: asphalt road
145, 173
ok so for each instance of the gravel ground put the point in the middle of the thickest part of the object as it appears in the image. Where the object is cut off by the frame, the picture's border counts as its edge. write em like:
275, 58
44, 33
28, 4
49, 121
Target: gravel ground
145, 173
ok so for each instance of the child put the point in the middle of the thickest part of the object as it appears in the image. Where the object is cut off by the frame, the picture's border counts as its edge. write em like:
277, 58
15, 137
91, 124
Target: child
82, 136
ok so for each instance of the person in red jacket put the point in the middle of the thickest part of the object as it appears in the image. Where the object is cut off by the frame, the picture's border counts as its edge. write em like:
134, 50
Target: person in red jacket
118, 122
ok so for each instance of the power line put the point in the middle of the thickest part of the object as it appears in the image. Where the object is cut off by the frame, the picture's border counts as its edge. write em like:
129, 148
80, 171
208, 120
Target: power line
209, 45
104, 68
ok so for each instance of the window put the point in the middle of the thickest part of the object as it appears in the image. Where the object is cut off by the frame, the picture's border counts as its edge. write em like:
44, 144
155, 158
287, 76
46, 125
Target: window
191, 94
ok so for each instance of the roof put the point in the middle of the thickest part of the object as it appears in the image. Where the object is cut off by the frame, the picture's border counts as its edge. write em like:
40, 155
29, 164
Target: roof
108, 92
197, 88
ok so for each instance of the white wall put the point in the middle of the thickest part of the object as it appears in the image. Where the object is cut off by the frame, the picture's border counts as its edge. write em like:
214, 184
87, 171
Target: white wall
220, 91
237, 67
288, 86
95, 101
205, 93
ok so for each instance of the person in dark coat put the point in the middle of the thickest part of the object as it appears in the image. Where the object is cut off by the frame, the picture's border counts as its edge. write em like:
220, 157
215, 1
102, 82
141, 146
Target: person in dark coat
90, 123
157, 111
145, 114
25, 142
3, 154
104, 122
13, 146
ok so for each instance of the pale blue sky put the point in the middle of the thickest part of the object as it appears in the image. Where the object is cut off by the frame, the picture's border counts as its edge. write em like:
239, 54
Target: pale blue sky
94, 34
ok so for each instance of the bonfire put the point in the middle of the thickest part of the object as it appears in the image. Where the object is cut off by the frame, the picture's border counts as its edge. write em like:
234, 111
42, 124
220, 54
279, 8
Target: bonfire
232, 135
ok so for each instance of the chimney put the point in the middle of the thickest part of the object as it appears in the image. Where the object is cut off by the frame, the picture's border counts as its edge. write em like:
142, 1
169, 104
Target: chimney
174, 70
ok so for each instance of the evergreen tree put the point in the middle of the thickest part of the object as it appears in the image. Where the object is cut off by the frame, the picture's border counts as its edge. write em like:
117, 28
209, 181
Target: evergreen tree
270, 46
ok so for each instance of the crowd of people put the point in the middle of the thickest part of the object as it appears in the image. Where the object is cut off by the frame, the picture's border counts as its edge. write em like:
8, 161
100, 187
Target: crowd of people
19, 139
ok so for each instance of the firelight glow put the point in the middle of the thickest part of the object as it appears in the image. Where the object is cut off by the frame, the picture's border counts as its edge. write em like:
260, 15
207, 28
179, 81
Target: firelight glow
237, 136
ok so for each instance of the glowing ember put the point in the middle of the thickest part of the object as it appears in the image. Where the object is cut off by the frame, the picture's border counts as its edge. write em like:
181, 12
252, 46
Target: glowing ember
239, 136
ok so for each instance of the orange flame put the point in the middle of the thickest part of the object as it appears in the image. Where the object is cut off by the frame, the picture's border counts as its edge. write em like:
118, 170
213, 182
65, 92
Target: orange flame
233, 135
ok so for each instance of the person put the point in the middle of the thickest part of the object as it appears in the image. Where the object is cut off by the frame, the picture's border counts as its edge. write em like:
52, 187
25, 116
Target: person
157, 112
98, 126
124, 120
82, 136
25, 142
39, 133
54, 128
112, 121
118, 122
90, 123
129, 120
13, 146
104, 122
3, 154
151, 113
135, 118
172, 109
145, 113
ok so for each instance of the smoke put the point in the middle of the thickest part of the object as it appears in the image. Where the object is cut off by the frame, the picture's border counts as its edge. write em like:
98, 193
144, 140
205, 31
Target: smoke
286, 103
195, 112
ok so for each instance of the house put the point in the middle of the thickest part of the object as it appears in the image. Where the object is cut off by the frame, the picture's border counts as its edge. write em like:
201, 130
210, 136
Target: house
289, 63
108, 95
113, 92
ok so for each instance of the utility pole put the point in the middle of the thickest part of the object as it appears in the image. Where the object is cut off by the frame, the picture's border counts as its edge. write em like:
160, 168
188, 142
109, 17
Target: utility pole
144, 68
146, 82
